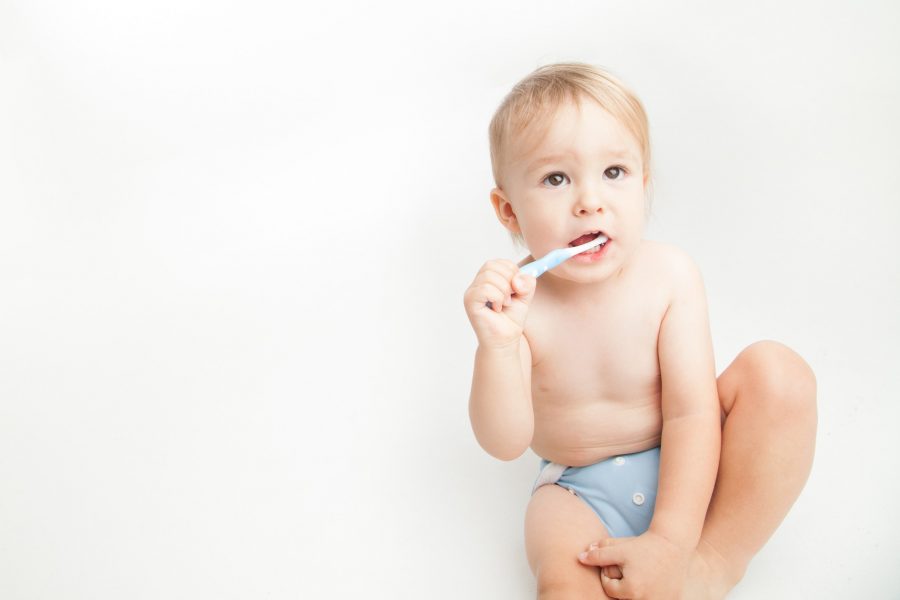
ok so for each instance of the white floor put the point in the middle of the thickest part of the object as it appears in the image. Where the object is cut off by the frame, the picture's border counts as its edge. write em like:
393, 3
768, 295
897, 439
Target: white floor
234, 240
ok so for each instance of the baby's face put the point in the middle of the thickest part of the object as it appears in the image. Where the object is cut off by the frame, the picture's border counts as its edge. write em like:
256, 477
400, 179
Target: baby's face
584, 176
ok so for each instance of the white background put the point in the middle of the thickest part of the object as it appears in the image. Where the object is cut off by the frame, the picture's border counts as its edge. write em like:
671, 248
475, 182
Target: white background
234, 239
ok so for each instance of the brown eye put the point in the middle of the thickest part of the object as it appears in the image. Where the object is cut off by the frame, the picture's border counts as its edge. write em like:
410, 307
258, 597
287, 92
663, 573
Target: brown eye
618, 171
555, 179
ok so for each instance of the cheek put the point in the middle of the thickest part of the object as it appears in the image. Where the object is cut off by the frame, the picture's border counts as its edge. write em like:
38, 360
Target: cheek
541, 231
545, 223
637, 208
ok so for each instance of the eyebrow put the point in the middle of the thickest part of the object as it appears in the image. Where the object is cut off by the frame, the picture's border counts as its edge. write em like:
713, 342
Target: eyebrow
557, 157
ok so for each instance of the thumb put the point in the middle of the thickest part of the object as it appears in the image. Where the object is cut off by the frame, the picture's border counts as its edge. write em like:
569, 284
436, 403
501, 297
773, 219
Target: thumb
605, 554
613, 541
524, 285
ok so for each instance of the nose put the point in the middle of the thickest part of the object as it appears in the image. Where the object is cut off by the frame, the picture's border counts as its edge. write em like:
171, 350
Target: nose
589, 201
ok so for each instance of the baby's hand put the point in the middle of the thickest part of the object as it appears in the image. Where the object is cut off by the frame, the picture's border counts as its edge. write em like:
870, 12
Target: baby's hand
497, 302
649, 566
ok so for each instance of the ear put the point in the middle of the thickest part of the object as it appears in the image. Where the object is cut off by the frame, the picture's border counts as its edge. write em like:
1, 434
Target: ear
504, 210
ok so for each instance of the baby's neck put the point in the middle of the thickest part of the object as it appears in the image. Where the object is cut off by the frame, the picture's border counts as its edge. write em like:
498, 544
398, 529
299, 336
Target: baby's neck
576, 293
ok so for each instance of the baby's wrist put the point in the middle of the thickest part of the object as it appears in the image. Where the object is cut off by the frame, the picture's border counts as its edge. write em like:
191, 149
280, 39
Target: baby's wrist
679, 540
499, 349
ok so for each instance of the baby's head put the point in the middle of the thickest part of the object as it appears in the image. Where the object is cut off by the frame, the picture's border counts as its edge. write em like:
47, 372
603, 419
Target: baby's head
527, 126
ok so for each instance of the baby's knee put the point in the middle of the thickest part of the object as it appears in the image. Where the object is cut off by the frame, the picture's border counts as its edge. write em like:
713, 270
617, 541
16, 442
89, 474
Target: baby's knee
575, 581
783, 380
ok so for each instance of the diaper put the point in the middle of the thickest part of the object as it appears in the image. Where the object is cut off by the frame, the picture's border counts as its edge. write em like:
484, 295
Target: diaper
621, 490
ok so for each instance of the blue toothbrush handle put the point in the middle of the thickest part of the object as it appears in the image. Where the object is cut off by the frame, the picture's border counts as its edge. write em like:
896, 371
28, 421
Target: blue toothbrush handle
542, 265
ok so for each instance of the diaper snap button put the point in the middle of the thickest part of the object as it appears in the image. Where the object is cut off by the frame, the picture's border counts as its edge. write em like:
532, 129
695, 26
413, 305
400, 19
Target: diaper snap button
638, 498
619, 460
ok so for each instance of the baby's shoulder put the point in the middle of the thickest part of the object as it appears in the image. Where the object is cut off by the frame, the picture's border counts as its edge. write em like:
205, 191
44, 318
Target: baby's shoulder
664, 253
667, 263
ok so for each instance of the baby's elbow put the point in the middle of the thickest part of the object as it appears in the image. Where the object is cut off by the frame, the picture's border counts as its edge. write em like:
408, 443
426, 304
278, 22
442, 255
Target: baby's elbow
508, 449
508, 454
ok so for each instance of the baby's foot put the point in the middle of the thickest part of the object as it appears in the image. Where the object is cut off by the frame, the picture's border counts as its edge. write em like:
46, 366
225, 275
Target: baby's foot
709, 577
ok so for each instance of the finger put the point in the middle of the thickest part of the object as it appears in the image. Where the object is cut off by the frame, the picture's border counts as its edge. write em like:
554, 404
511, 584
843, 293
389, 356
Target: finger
610, 541
613, 541
496, 279
493, 296
524, 288
614, 588
613, 572
523, 283
602, 557
506, 274
505, 268
501, 283
497, 273
478, 294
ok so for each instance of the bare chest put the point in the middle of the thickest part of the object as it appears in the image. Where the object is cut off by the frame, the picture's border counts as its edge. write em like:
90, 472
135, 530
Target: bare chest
605, 354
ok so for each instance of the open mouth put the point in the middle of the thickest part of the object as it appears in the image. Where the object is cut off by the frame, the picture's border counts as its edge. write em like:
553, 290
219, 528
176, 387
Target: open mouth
587, 237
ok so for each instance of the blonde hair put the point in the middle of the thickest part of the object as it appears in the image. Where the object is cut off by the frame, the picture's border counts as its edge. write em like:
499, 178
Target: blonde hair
534, 100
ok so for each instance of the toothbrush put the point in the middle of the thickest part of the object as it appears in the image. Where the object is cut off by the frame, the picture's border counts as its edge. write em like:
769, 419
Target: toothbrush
554, 258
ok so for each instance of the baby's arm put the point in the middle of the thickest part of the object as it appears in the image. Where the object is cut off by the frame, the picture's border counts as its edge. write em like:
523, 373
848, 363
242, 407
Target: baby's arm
500, 403
691, 435
654, 564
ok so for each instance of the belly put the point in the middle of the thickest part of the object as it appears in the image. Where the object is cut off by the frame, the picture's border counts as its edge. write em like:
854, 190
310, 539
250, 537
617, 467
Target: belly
582, 435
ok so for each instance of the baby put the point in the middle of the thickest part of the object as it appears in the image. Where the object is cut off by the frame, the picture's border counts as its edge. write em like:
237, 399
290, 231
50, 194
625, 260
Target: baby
658, 480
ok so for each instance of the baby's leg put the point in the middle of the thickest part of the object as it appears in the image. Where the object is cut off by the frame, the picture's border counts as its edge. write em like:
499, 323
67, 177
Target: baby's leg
768, 395
559, 526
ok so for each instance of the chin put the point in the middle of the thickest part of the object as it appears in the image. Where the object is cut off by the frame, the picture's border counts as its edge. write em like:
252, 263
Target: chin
584, 277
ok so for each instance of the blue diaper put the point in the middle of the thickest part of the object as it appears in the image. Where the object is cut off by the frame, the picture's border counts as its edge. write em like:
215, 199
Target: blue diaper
621, 489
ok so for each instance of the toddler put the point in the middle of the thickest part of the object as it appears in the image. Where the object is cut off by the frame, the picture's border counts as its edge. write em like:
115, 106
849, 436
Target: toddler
657, 479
